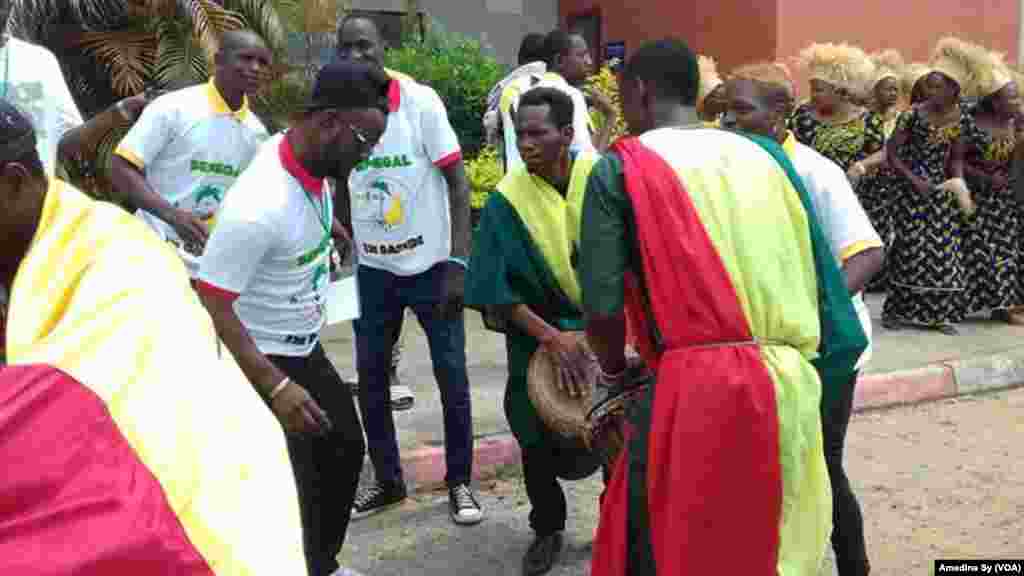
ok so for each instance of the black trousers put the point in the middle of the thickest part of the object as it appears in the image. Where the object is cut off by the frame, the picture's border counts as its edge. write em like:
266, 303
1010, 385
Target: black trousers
326, 468
847, 522
542, 465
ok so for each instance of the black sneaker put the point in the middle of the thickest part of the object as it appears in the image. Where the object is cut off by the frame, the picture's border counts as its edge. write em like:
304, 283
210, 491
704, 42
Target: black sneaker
377, 498
463, 507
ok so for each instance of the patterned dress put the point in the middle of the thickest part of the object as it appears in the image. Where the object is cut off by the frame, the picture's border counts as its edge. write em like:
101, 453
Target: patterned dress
926, 278
990, 244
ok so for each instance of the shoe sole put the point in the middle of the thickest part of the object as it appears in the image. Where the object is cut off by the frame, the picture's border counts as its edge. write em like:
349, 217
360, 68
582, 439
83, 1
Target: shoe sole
462, 522
360, 515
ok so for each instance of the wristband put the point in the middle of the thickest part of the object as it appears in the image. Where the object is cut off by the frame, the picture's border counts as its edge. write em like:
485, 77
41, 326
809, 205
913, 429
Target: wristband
277, 389
460, 261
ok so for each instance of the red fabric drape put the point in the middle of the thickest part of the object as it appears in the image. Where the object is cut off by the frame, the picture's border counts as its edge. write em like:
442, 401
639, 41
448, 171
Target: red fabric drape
714, 477
74, 497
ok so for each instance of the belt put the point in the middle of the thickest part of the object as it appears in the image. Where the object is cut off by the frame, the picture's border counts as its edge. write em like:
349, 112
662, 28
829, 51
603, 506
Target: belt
729, 344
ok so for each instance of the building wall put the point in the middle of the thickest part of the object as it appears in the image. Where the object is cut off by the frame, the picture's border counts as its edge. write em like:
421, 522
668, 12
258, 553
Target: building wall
708, 27
910, 26
738, 31
498, 24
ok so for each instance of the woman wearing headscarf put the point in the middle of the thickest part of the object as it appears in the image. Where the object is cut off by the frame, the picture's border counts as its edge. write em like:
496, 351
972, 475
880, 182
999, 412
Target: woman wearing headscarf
832, 122
874, 187
931, 202
990, 136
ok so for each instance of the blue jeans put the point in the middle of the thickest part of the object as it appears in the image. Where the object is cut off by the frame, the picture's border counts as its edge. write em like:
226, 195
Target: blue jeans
383, 298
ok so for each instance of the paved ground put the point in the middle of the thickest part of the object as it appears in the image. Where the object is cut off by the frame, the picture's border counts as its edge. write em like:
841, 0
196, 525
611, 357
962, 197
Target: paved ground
938, 480
893, 350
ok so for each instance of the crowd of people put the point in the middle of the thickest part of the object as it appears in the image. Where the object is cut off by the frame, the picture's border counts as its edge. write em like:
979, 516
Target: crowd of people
727, 240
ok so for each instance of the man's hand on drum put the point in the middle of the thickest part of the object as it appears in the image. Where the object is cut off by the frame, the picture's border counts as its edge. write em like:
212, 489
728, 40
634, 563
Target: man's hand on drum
572, 361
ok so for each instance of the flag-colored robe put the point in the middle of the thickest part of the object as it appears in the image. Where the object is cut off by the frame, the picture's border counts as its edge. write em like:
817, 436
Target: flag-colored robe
523, 253
701, 237
169, 462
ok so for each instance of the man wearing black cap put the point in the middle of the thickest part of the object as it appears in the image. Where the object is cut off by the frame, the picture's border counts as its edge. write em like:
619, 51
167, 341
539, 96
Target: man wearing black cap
263, 276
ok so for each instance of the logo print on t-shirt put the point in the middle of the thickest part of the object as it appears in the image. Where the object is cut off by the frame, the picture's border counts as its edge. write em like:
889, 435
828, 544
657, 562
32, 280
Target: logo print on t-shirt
382, 203
207, 201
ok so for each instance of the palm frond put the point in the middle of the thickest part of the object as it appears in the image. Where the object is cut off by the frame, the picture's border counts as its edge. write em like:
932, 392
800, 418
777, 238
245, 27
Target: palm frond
264, 18
129, 54
207, 21
181, 59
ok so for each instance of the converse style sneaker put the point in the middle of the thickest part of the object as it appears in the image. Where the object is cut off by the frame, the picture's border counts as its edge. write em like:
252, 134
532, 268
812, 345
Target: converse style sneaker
463, 507
377, 498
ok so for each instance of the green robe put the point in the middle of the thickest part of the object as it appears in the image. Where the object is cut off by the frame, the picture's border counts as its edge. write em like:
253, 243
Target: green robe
506, 268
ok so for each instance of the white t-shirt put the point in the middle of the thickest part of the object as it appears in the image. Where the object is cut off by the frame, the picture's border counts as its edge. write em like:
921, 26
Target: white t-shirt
582, 126
399, 196
31, 79
192, 147
271, 251
842, 218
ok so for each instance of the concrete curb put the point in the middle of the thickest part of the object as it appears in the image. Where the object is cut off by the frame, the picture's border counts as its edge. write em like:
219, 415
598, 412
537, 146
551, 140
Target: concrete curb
424, 468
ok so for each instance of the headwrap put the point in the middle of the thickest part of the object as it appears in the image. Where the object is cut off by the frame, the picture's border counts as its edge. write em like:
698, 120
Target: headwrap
841, 65
913, 74
888, 64
774, 73
959, 61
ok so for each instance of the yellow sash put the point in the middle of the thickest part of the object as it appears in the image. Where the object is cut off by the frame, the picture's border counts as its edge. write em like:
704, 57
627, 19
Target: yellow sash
552, 221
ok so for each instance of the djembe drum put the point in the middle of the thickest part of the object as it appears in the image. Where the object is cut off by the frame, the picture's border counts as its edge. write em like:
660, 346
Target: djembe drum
593, 435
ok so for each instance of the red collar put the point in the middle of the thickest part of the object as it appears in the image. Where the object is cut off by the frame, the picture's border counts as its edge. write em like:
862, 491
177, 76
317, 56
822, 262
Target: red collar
312, 184
394, 95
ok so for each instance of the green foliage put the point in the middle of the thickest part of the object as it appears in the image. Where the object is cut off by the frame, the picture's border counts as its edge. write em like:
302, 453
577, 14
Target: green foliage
484, 172
459, 70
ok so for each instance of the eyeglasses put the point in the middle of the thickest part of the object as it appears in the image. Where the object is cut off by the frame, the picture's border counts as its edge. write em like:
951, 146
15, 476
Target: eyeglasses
360, 136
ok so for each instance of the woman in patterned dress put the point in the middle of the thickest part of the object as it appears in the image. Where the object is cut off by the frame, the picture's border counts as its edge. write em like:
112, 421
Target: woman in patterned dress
926, 275
832, 123
874, 189
990, 246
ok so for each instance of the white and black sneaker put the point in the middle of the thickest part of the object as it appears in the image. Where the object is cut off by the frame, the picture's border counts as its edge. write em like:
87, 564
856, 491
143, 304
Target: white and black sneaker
377, 498
463, 506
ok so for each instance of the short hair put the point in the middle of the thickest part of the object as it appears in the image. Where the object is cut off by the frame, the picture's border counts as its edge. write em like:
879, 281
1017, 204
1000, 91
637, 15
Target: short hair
766, 72
531, 49
560, 106
556, 43
669, 66
354, 17
232, 40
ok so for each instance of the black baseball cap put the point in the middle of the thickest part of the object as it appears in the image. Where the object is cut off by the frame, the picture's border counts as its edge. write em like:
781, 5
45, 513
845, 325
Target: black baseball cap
349, 84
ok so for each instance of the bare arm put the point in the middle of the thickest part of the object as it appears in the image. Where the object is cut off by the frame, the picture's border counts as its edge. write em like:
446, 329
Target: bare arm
458, 207
529, 322
607, 338
260, 371
898, 139
956, 159
293, 406
82, 140
131, 183
860, 268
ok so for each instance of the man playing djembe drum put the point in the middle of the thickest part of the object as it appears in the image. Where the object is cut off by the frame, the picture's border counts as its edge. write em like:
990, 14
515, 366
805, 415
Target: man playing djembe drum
522, 278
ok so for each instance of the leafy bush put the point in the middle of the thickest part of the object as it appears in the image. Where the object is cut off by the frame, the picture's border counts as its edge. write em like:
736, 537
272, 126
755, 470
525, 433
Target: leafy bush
484, 173
606, 82
459, 70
